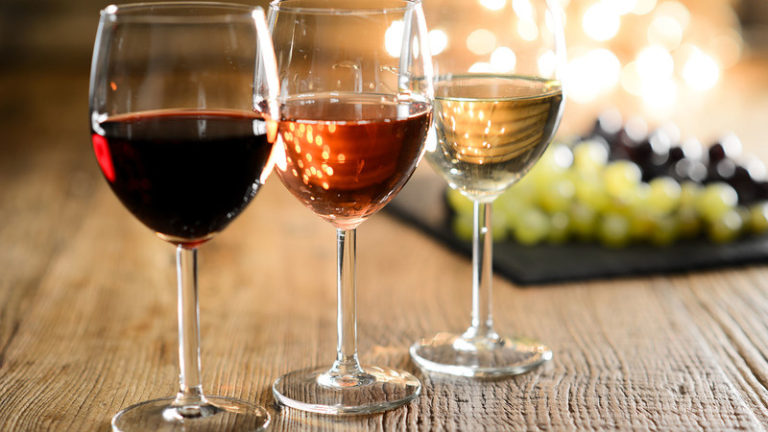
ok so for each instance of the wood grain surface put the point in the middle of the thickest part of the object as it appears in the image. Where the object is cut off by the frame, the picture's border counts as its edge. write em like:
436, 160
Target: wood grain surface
87, 309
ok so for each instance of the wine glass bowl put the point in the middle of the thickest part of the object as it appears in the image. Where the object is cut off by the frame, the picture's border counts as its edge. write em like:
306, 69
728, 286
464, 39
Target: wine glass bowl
355, 113
498, 102
181, 109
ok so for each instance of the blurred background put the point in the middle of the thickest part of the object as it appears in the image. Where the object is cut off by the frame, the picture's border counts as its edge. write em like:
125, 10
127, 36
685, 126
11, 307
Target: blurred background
702, 64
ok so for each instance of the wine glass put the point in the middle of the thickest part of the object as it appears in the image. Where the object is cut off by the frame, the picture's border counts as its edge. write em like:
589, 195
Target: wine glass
181, 97
498, 102
355, 112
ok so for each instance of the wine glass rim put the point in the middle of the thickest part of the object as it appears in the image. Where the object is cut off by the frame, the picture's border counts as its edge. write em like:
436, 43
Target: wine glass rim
133, 9
288, 6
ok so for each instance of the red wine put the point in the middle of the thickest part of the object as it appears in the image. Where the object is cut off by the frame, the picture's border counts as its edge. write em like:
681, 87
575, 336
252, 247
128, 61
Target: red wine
185, 174
347, 155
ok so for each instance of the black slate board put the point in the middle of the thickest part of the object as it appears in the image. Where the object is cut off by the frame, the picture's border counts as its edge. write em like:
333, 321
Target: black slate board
422, 204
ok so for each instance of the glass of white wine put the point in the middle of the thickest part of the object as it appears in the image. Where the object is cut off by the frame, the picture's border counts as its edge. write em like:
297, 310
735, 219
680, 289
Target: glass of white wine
498, 102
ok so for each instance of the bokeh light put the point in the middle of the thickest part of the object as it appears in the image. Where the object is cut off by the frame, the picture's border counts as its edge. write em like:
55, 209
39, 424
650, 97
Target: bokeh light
601, 22
503, 60
643, 7
481, 41
701, 71
438, 41
527, 29
655, 63
665, 30
493, 4
591, 74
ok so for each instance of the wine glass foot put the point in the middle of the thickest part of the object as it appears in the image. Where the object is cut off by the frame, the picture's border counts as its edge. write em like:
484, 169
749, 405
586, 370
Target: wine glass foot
218, 413
479, 357
378, 389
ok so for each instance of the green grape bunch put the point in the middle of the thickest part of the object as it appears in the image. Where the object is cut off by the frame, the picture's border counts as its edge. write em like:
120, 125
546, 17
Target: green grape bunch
618, 188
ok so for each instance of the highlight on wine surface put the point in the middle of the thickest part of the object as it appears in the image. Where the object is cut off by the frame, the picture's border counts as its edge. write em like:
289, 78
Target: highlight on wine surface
181, 103
346, 155
223, 157
498, 103
354, 120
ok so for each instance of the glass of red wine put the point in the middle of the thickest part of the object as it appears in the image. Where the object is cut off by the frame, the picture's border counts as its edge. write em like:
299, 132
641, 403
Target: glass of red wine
355, 112
181, 100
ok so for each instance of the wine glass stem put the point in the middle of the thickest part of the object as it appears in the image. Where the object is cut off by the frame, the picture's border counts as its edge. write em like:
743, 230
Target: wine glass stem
482, 274
347, 363
190, 386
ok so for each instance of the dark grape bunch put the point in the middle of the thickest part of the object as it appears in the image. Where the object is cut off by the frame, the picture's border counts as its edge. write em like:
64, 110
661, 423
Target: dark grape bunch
622, 184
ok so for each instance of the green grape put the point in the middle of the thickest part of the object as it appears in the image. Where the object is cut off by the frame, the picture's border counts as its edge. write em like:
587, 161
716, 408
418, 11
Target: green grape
499, 226
620, 177
590, 156
634, 200
463, 226
746, 218
613, 230
511, 207
559, 228
590, 191
725, 228
715, 200
688, 222
458, 202
522, 191
553, 164
557, 158
532, 228
665, 231
575, 193
663, 195
583, 221
689, 193
557, 195
641, 225
758, 217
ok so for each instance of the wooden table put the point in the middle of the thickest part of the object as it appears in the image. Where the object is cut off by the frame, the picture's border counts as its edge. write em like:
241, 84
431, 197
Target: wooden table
87, 307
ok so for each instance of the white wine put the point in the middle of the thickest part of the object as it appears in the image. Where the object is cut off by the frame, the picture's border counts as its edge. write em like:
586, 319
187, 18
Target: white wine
491, 129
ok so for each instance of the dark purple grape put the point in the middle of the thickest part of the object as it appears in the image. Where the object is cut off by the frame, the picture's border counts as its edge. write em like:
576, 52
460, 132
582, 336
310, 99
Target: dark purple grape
675, 154
607, 125
629, 137
721, 170
745, 186
652, 155
756, 168
692, 149
728, 146
746, 179
688, 149
687, 169
761, 190
639, 152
